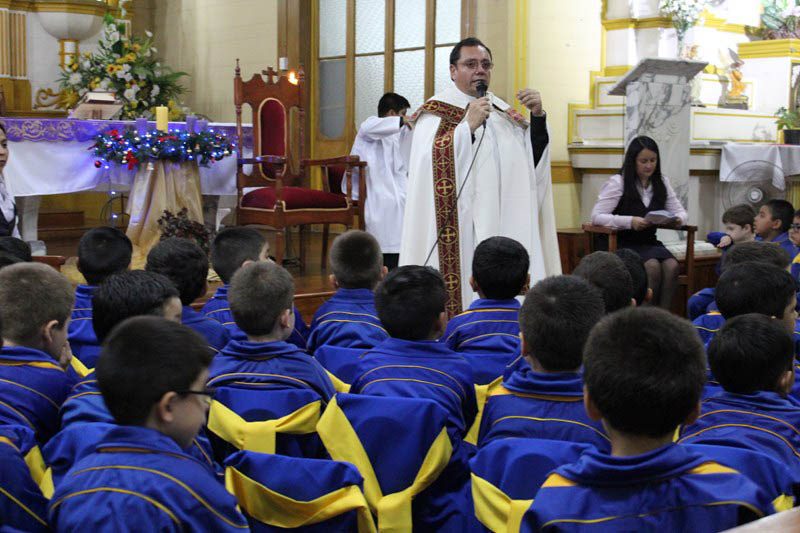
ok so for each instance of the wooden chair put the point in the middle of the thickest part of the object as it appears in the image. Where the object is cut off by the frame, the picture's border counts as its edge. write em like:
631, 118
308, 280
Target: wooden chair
332, 182
55, 261
686, 278
280, 200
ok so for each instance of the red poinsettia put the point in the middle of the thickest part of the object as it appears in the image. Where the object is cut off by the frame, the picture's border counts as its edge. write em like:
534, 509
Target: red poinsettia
132, 160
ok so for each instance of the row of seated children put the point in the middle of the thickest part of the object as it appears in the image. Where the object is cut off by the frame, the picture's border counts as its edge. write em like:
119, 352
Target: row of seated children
412, 319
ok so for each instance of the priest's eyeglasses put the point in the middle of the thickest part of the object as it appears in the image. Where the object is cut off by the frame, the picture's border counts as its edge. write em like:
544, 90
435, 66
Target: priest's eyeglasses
207, 394
472, 64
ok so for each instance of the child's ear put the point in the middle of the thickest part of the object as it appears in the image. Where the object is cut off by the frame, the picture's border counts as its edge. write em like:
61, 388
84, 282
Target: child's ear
633, 302
384, 271
286, 318
48, 338
333, 282
527, 286
693, 415
776, 224
163, 409
591, 409
473, 284
523, 345
648, 296
441, 323
786, 382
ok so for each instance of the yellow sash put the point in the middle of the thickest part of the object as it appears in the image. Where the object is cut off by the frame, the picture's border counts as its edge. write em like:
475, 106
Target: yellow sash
338, 384
393, 510
482, 393
260, 436
79, 367
275, 509
495, 509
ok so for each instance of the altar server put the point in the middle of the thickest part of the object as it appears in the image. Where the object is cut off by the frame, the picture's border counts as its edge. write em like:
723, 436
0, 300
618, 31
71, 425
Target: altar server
487, 335
101, 252
752, 359
185, 264
384, 143
544, 398
642, 387
349, 318
152, 376
9, 220
37, 301
233, 247
261, 297
410, 303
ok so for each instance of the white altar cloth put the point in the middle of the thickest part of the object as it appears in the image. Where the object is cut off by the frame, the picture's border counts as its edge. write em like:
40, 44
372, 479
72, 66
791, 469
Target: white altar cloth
746, 162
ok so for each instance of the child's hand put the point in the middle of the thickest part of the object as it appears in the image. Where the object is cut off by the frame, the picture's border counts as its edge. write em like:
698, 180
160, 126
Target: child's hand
725, 242
638, 223
66, 356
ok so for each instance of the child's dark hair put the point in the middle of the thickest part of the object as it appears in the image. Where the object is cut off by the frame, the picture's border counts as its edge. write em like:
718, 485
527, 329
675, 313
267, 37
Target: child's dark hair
356, 260
102, 252
633, 262
232, 247
644, 369
184, 263
608, 273
741, 215
7, 259
754, 288
143, 359
33, 295
556, 318
126, 294
258, 294
409, 301
750, 353
392, 102
500, 267
16, 247
781, 210
757, 251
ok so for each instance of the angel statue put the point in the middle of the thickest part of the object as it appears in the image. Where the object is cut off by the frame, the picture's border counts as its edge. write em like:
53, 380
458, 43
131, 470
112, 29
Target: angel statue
692, 53
733, 97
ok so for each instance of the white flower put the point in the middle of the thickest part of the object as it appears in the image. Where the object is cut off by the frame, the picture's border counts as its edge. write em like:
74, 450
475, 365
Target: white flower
148, 33
86, 64
105, 83
130, 94
74, 78
155, 91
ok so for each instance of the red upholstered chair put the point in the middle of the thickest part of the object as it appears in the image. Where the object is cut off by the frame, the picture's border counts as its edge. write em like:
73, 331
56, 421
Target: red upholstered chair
280, 199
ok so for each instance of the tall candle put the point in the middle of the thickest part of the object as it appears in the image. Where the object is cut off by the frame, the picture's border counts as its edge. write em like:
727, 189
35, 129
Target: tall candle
162, 118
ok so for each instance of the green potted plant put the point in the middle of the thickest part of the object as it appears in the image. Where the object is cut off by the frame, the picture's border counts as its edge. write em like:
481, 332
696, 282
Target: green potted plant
789, 122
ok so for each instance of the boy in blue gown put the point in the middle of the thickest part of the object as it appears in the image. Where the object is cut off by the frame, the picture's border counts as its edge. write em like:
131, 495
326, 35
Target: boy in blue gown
752, 359
152, 375
488, 332
609, 274
185, 264
84, 415
349, 318
544, 399
22, 505
35, 353
642, 386
232, 248
412, 363
773, 222
260, 297
101, 252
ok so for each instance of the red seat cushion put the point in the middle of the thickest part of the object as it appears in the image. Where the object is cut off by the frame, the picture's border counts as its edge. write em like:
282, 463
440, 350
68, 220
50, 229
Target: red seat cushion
294, 198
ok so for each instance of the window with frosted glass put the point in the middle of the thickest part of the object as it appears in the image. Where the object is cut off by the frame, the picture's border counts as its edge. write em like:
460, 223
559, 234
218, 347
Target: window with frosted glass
448, 21
369, 86
441, 69
332, 97
409, 76
409, 24
332, 28
370, 26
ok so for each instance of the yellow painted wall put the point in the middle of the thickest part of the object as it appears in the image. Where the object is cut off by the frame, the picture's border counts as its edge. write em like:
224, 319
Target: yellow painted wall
204, 38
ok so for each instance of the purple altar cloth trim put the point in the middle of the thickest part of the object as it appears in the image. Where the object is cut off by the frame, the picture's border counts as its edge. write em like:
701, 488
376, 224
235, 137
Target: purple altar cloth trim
66, 129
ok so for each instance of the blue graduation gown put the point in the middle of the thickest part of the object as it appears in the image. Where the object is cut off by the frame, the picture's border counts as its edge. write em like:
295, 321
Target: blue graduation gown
764, 421
217, 308
699, 302
420, 369
32, 389
211, 330
136, 480
22, 505
347, 320
276, 364
82, 339
540, 406
487, 335
669, 489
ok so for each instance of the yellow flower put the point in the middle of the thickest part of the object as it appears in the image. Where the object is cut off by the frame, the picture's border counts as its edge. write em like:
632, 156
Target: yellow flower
93, 85
136, 47
111, 69
130, 58
121, 60
74, 67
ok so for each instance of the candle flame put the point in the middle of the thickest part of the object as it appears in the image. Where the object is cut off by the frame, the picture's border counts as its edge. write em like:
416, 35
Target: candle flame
292, 77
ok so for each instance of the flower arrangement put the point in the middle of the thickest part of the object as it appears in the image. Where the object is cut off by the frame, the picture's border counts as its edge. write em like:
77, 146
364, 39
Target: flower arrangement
180, 225
780, 19
684, 13
129, 148
127, 66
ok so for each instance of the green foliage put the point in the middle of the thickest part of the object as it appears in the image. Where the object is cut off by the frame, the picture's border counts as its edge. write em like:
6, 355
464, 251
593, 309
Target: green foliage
787, 120
179, 225
780, 19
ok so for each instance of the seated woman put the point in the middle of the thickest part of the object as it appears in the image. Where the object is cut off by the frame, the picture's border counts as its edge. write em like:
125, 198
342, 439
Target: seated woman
623, 203
8, 210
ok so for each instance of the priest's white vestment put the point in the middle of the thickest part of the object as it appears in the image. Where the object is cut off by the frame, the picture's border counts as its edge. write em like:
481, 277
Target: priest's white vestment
384, 144
504, 193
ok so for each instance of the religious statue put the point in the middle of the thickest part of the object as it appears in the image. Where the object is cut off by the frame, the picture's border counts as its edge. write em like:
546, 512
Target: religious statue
691, 52
733, 97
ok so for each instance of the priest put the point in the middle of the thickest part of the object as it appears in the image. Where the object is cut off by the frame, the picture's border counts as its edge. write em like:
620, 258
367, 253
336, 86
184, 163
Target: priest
478, 168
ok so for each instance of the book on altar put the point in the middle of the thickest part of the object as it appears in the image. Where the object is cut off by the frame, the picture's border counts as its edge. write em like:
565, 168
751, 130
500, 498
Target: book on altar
661, 218
97, 105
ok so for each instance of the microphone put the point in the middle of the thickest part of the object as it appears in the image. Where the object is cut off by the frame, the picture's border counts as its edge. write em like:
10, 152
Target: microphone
481, 88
